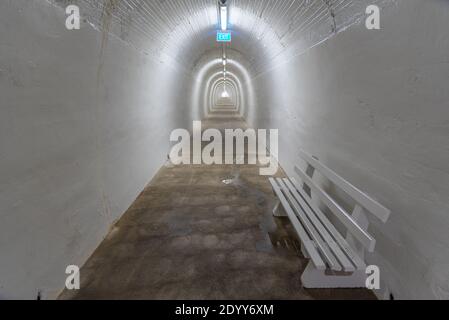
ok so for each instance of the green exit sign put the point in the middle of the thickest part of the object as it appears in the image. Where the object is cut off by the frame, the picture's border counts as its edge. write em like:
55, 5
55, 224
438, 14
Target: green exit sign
223, 36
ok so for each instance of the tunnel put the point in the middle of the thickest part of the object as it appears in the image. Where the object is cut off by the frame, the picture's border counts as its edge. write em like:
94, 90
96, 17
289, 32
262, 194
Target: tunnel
356, 91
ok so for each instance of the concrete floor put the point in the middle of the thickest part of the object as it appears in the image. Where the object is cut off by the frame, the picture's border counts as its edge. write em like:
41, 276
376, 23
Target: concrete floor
189, 235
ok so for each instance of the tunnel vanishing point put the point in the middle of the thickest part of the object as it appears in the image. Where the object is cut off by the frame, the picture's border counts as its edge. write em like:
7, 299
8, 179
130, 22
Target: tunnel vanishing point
94, 204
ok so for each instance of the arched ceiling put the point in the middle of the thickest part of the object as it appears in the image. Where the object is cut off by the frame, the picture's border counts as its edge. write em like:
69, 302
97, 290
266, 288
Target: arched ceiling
183, 30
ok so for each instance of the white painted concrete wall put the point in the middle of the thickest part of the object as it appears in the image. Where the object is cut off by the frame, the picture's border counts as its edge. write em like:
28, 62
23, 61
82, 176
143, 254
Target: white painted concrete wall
374, 106
80, 137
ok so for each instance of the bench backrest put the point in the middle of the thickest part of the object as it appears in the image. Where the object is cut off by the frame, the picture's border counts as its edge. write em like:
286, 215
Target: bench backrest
355, 222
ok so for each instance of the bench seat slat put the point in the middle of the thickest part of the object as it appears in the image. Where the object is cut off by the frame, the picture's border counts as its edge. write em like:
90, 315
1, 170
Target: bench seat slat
345, 247
337, 251
311, 229
305, 239
364, 237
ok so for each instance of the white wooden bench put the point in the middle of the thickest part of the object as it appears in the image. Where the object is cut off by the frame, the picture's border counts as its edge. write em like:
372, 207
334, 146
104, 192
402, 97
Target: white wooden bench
336, 261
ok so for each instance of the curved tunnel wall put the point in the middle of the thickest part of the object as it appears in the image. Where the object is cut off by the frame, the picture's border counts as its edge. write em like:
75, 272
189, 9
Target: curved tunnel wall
141, 69
217, 87
219, 98
209, 69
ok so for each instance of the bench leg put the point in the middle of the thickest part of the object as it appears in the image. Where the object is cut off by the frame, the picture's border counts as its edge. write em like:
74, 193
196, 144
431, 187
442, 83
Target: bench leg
304, 251
278, 210
314, 278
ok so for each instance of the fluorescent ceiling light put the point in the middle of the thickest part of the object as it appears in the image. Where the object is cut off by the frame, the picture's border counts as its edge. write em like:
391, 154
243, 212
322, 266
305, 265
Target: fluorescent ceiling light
224, 62
224, 18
